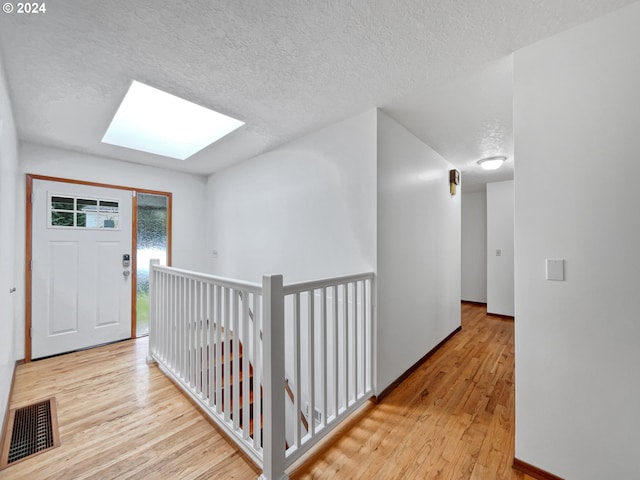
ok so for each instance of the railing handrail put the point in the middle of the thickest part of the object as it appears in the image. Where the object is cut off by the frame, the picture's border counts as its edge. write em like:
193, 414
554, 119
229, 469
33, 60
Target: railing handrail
226, 282
325, 282
289, 289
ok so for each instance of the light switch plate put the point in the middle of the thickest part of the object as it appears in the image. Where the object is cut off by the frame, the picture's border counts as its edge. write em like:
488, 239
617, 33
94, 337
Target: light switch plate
555, 269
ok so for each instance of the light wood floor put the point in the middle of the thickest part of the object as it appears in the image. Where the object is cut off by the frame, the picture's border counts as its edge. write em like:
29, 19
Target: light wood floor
120, 418
453, 418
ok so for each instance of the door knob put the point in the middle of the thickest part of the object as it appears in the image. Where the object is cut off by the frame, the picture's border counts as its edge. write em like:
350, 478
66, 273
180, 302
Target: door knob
126, 273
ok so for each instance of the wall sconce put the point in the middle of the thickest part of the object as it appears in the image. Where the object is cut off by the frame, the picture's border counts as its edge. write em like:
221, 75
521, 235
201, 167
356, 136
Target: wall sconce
454, 181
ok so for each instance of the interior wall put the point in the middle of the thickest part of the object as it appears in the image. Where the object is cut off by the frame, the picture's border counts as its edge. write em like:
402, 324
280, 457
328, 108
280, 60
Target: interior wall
474, 247
305, 210
8, 208
500, 248
576, 130
189, 200
418, 251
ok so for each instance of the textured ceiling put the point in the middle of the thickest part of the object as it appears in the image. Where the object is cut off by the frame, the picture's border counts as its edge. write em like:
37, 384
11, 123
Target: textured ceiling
284, 67
466, 119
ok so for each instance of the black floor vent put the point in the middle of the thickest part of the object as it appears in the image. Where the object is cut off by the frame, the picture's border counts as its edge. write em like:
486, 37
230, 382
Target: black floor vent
33, 430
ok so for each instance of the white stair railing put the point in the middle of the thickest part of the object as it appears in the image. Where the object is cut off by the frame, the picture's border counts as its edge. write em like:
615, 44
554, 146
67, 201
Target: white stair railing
197, 326
332, 333
229, 345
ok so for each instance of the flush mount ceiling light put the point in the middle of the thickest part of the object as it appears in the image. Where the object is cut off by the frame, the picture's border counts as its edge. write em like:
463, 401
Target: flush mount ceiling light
154, 121
492, 163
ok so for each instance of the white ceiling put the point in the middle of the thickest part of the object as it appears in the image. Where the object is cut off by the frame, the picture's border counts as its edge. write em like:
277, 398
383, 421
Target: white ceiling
284, 67
466, 119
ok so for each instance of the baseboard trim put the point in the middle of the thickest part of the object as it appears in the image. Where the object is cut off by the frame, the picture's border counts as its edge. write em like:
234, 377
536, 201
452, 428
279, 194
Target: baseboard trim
414, 367
499, 315
471, 302
5, 420
533, 471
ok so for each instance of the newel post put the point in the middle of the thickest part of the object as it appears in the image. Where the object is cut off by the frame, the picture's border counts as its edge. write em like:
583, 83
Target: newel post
152, 310
273, 379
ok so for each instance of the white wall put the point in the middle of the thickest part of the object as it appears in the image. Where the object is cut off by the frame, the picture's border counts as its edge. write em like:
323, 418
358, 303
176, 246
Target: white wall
474, 247
500, 236
305, 210
189, 201
577, 356
8, 209
418, 251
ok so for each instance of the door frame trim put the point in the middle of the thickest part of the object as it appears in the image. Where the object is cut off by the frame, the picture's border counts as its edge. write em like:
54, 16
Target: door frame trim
134, 243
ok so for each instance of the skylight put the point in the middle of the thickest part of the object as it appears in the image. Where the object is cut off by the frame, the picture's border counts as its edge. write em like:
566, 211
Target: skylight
154, 121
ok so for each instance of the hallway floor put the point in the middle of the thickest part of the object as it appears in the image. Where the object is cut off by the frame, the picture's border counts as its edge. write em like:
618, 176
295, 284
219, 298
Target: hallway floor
123, 419
453, 418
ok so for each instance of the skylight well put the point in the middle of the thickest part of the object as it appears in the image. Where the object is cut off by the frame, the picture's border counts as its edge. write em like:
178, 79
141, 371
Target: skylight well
154, 121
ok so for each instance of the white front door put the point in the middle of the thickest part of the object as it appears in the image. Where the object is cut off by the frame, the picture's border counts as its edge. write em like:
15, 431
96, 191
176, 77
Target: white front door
80, 286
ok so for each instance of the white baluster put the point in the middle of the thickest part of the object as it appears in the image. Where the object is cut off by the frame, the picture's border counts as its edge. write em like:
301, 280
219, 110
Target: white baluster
296, 369
184, 321
354, 339
193, 335
177, 325
199, 348
235, 387
218, 350
323, 356
227, 355
365, 333
210, 342
163, 317
335, 350
257, 371
246, 384
311, 356
345, 326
